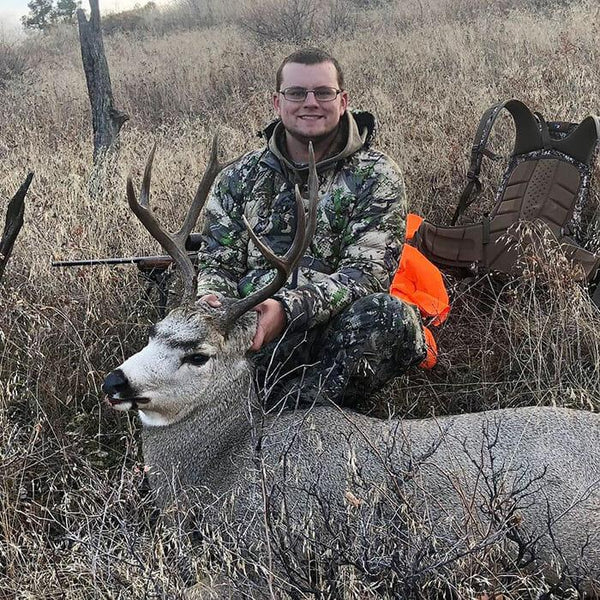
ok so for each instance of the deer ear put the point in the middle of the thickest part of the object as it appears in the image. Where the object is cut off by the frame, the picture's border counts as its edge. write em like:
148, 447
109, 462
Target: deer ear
239, 334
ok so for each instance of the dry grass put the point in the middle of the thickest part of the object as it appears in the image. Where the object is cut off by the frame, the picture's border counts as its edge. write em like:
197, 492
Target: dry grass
73, 519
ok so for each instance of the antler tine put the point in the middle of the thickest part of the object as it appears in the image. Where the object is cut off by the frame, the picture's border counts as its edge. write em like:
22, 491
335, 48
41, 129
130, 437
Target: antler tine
170, 244
145, 191
281, 263
313, 193
212, 170
288, 262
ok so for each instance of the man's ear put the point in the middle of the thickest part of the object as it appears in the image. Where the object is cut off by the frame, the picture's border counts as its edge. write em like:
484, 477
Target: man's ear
276, 103
344, 101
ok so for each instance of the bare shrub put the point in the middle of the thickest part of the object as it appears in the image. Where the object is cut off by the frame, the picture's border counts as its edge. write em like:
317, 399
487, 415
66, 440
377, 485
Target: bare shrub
136, 19
13, 62
292, 21
305, 21
341, 18
203, 13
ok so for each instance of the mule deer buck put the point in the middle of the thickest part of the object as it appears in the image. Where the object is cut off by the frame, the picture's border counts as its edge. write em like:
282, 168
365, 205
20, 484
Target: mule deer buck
317, 483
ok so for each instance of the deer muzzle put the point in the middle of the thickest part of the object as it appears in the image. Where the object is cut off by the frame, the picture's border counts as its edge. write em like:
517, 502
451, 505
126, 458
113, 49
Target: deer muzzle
118, 390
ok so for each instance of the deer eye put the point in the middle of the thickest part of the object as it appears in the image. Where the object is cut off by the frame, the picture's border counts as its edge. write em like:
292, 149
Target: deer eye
195, 359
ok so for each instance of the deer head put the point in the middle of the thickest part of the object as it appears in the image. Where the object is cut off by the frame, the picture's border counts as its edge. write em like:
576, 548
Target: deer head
197, 348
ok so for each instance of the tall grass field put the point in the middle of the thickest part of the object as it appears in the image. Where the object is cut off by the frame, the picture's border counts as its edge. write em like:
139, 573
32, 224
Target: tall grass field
76, 517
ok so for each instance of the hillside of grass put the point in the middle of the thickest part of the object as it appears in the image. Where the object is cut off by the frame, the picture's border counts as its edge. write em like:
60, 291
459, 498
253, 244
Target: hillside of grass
75, 520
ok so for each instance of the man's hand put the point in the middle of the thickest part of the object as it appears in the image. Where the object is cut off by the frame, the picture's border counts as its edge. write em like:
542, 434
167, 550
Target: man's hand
211, 300
271, 319
271, 322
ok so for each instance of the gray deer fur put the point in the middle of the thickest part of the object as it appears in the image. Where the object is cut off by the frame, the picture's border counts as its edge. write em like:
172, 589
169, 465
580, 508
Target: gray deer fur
204, 434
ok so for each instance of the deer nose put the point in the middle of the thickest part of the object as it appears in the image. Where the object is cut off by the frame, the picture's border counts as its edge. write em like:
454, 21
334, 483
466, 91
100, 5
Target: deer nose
115, 382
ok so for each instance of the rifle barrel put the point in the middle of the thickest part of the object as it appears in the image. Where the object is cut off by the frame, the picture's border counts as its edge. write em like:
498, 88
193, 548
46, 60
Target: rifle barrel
90, 262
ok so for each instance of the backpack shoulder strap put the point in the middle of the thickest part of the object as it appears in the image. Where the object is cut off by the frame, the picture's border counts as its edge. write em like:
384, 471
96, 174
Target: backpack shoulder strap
527, 138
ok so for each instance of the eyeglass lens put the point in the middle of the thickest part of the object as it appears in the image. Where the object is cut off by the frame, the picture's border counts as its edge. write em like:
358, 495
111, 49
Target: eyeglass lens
298, 94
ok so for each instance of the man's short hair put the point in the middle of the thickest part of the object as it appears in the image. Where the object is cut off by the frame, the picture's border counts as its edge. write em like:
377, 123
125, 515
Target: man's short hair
310, 56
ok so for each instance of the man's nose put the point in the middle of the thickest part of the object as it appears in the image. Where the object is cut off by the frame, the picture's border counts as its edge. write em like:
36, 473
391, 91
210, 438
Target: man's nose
311, 99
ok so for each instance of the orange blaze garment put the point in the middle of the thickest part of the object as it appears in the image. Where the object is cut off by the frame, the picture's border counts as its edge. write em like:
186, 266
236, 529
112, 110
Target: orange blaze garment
420, 283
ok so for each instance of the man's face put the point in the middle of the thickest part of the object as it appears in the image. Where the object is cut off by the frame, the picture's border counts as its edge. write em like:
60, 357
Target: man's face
310, 119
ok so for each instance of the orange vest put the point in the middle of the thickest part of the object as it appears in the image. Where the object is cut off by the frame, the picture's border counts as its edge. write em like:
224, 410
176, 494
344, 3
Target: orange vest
420, 283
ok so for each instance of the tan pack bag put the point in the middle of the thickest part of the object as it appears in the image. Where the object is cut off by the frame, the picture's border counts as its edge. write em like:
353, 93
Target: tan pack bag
547, 180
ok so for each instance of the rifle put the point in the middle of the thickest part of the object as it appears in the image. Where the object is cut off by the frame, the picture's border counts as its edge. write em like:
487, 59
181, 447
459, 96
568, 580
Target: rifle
144, 263
153, 269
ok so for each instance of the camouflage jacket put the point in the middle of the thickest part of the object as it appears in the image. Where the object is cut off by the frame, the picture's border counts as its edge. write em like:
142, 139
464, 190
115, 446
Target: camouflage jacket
358, 239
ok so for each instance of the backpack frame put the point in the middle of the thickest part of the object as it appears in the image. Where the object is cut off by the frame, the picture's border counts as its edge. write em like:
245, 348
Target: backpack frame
547, 180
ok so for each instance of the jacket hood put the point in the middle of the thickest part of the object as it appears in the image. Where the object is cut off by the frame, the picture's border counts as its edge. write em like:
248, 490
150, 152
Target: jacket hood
357, 127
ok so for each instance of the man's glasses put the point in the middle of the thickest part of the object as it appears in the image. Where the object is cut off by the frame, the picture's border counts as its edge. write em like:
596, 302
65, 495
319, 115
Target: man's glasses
298, 94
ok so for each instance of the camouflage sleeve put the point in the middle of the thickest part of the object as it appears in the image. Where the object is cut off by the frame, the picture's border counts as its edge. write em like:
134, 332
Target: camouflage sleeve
369, 255
222, 256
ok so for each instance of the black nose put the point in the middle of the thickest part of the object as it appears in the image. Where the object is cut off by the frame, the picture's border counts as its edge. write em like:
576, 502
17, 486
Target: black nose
115, 383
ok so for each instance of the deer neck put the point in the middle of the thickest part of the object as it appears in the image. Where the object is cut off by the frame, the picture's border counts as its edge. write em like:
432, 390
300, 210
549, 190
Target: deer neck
202, 447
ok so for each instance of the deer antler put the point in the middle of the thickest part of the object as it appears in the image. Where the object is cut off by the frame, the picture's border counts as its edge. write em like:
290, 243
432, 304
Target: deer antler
287, 263
174, 243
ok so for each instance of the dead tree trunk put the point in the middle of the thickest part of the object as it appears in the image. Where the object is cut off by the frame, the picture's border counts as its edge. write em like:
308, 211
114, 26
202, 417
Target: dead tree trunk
13, 223
106, 119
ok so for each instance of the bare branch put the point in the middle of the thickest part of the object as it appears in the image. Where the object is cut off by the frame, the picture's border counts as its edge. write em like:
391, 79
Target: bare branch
13, 223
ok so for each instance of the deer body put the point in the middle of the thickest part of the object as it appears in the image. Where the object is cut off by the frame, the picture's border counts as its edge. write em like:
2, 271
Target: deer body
543, 462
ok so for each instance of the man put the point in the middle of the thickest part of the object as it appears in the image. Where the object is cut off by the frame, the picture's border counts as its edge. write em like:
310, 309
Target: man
334, 317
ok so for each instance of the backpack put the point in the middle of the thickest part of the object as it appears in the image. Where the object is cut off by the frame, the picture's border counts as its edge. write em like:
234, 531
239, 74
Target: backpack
547, 180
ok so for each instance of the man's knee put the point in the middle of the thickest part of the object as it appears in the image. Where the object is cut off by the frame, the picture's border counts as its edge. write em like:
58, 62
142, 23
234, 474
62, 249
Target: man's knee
379, 311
